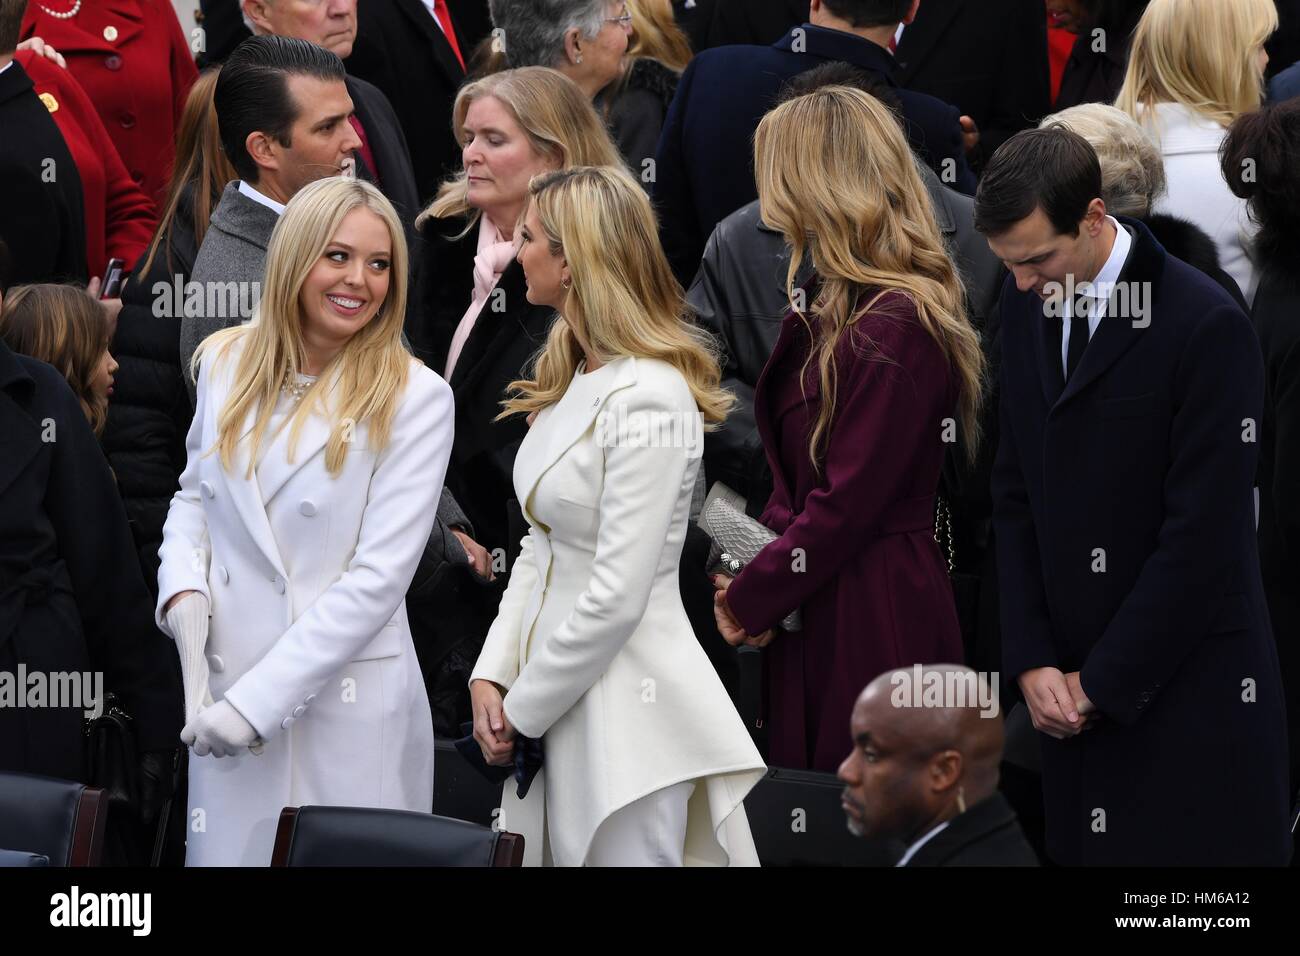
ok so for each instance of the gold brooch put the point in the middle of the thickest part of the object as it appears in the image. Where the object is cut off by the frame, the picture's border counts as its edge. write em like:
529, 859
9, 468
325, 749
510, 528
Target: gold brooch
50, 102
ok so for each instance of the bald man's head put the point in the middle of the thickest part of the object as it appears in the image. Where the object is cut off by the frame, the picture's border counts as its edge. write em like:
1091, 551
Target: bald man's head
925, 740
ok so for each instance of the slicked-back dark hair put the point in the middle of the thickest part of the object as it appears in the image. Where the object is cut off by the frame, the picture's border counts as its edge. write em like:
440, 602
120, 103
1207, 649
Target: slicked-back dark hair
11, 24
252, 94
869, 13
1052, 169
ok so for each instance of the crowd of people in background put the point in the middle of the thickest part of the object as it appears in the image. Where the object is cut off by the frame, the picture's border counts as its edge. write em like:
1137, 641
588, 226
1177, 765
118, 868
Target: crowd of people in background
322, 325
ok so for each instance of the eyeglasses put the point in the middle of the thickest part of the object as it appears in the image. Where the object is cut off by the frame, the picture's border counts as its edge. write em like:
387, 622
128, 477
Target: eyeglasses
624, 21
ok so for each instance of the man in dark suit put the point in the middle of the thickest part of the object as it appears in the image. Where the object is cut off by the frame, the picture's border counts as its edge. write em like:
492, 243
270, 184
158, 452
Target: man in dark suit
695, 17
1133, 614
986, 57
41, 206
383, 158
923, 771
704, 167
418, 60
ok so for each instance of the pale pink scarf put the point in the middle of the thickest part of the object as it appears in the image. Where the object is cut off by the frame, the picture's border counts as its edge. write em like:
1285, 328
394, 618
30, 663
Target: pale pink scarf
491, 260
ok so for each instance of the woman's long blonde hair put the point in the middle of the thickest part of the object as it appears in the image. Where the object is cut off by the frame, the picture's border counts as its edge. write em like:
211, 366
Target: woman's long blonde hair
201, 165
836, 176
656, 35
62, 326
1202, 54
623, 300
363, 383
560, 122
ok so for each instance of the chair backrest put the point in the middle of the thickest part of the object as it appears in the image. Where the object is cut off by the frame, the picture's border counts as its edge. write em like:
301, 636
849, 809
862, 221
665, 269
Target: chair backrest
10, 859
364, 836
59, 819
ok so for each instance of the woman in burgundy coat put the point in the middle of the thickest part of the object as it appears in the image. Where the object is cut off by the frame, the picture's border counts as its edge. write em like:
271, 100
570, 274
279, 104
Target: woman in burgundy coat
868, 381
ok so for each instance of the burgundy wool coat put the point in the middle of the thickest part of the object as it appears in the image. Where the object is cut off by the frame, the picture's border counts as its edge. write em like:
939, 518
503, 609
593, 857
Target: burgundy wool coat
856, 550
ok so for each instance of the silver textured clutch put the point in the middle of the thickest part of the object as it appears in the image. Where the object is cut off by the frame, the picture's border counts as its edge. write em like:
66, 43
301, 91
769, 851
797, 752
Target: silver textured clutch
737, 538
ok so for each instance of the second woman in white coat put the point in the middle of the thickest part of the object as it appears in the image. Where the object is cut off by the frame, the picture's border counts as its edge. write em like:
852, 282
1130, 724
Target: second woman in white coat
646, 760
316, 457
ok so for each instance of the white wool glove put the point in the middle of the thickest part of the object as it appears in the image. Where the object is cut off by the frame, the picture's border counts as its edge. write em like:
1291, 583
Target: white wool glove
188, 622
220, 730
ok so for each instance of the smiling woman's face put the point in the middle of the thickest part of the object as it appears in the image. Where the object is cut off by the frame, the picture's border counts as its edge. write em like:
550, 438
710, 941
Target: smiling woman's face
349, 282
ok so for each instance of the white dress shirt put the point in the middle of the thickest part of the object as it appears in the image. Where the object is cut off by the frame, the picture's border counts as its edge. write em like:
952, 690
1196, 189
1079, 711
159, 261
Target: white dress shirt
6, 66
267, 201
429, 5
911, 850
1099, 290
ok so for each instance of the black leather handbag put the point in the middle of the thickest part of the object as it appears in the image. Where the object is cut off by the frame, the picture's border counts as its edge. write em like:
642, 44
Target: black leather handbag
112, 763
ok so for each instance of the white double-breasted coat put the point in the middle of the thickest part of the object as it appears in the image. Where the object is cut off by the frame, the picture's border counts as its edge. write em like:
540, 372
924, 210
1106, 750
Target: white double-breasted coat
306, 577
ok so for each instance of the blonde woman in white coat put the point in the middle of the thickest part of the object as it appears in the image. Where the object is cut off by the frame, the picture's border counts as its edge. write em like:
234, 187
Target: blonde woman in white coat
646, 760
316, 458
1194, 67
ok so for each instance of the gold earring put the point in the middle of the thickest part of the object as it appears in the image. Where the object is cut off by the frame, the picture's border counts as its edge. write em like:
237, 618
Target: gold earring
566, 284
961, 800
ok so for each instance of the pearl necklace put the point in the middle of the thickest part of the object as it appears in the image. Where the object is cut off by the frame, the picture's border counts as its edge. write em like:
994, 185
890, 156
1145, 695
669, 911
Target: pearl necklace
296, 390
76, 8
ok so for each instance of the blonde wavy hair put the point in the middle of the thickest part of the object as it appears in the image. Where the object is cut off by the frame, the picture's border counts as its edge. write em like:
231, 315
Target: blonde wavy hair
1132, 169
623, 299
836, 176
1202, 54
558, 119
656, 35
363, 383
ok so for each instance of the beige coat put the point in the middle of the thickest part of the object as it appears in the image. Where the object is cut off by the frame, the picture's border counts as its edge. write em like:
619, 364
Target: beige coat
592, 640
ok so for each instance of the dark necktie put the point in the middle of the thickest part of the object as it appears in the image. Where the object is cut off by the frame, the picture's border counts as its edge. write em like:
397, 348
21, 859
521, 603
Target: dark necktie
1078, 334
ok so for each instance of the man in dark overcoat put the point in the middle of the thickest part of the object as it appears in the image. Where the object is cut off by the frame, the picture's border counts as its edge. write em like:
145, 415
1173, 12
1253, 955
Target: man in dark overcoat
1133, 615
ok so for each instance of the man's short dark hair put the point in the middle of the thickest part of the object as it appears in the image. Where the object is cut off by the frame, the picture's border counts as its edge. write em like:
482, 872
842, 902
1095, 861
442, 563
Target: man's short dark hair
11, 24
837, 73
1052, 169
252, 94
869, 13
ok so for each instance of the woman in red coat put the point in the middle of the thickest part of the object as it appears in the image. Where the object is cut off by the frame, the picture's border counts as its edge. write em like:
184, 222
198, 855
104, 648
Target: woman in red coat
875, 369
135, 64
120, 218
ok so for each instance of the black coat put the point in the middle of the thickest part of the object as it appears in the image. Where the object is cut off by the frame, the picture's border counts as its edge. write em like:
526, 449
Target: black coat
1277, 320
1126, 550
695, 17
635, 112
481, 472
988, 58
987, 834
1095, 75
1187, 241
42, 215
704, 167
71, 595
150, 413
388, 145
401, 49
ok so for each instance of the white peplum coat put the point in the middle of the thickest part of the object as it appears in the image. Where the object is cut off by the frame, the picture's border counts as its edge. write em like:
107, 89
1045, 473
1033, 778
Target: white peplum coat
592, 642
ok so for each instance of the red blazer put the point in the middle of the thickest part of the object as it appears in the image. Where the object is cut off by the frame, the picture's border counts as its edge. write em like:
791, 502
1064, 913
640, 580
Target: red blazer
138, 80
120, 218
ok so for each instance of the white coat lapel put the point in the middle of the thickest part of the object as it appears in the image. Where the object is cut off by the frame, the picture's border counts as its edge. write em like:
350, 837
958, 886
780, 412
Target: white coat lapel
247, 495
276, 468
560, 431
